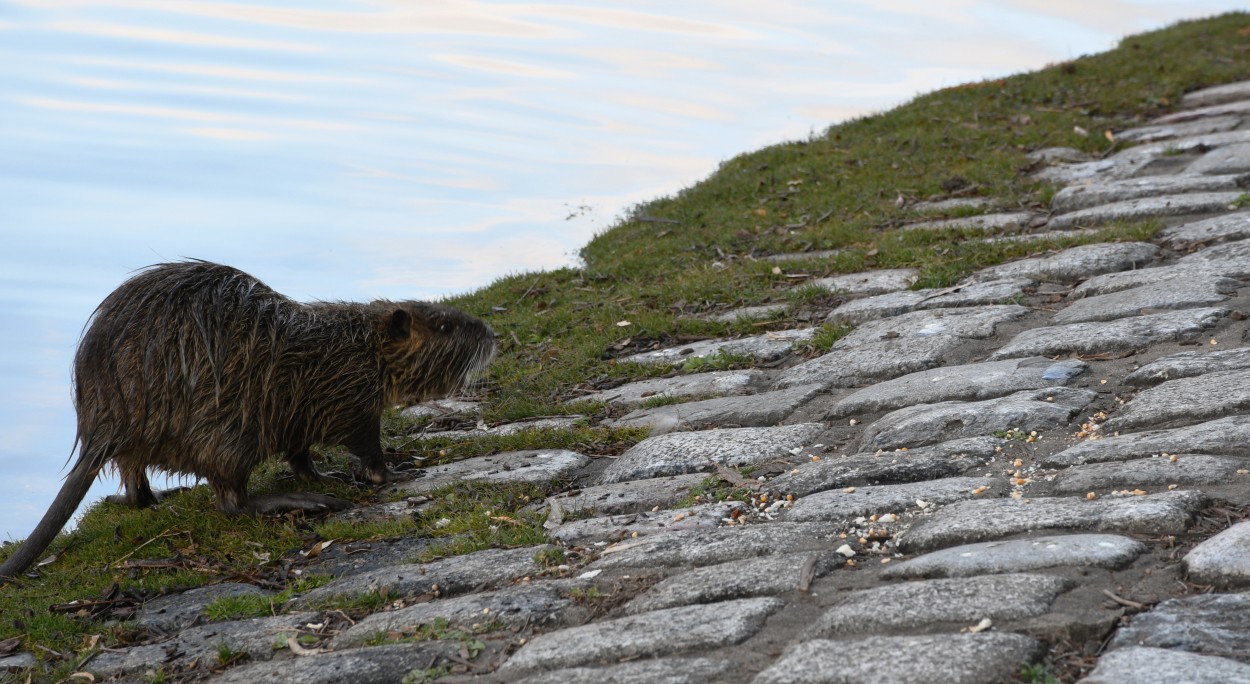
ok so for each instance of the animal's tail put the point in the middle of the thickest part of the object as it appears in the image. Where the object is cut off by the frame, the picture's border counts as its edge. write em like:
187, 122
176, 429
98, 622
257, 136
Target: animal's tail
72, 492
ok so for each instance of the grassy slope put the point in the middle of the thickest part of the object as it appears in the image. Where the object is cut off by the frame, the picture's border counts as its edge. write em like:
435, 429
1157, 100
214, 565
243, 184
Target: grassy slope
686, 254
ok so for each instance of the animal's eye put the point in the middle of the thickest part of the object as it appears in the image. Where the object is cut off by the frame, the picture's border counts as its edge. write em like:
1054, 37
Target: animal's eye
444, 327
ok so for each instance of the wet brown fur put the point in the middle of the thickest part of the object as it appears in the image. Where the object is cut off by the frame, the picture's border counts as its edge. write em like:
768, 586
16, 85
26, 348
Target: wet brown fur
195, 368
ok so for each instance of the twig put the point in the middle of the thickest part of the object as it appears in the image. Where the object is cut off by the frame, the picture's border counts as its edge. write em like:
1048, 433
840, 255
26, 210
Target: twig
1123, 601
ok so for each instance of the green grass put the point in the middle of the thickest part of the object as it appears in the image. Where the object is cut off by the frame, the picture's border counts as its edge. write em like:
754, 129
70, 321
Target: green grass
559, 329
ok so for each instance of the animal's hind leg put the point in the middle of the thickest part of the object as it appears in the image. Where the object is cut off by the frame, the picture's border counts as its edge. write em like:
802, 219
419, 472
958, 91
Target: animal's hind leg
366, 445
301, 464
232, 499
138, 493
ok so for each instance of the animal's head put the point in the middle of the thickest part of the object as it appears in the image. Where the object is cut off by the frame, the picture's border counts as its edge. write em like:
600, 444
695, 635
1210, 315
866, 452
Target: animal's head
432, 350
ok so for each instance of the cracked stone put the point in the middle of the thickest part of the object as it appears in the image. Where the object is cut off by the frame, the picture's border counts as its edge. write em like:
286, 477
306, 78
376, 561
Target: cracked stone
1207, 623
659, 633
912, 465
768, 576
1228, 436
986, 222
970, 294
1144, 665
758, 410
836, 505
1031, 410
708, 547
1185, 401
982, 520
986, 658
1022, 555
451, 576
628, 497
763, 348
589, 530
686, 452
1121, 335
694, 385
1222, 560
1187, 469
1229, 227
538, 603
1190, 364
960, 602
971, 382
1076, 197
1076, 263
868, 282
657, 671
1174, 294
1147, 207
538, 465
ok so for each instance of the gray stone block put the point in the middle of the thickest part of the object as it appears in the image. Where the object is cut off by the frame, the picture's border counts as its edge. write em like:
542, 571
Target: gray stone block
1225, 228
1146, 134
971, 382
924, 604
1076, 263
1145, 665
1180, 293
659, 633
173, 612
836, 505
697, 385
656, 671
986, 658
628, 497
1217, 95
1228, 436
1224, 160
981, 520
759, 410
1147, 207
767, 347
1218, 624
1122, 335
538, 465
613, 527
1088, 195
868, 282
1230, 259
698, 548
772, 575
1185, 401
1040, 410
895, 303
1187, 469
1222, 560
1190, 364
679, 453
1022, 555
911, 465
378, 665
986, 222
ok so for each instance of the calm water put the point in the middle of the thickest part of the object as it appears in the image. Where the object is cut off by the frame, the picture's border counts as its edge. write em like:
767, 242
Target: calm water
381, 148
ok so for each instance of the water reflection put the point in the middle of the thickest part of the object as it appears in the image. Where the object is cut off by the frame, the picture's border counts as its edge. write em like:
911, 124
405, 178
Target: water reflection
351, 150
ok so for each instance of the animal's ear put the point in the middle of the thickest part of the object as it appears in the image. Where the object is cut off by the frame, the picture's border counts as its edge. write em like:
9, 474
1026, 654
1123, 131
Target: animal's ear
401, 325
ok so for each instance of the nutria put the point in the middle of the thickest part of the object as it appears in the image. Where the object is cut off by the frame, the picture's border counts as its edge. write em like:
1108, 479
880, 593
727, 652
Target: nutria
195, 368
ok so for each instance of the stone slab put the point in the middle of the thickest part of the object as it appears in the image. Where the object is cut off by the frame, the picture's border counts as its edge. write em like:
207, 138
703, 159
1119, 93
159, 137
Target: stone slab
868, 282
628, 497
767, 347
924, 604
769, 576
1144, 665
1147, 207
1145, 134
895, 303
985, 222
970, 382
378, 665
1225, 160
889, 347
1098, 169
982, 520
1180, 293
749, 313
1121, 335
803, 256
201, 645
698, 548
537, 603
986, 658
758, 410
1228, 227
694, 385
1064, 155
656, 671
173, 612
1187, 469
659, 633
1216, 95
951, 204
450, 575
1075, 263
1031, 410
1218, 624
1230, 259
1085, 196
1222, 560
836, 505
615, 527
534, 424
1021, 555
1228, 436
911, 465
679, 453
1185, 401
444, 408
1190, 364
538, 465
